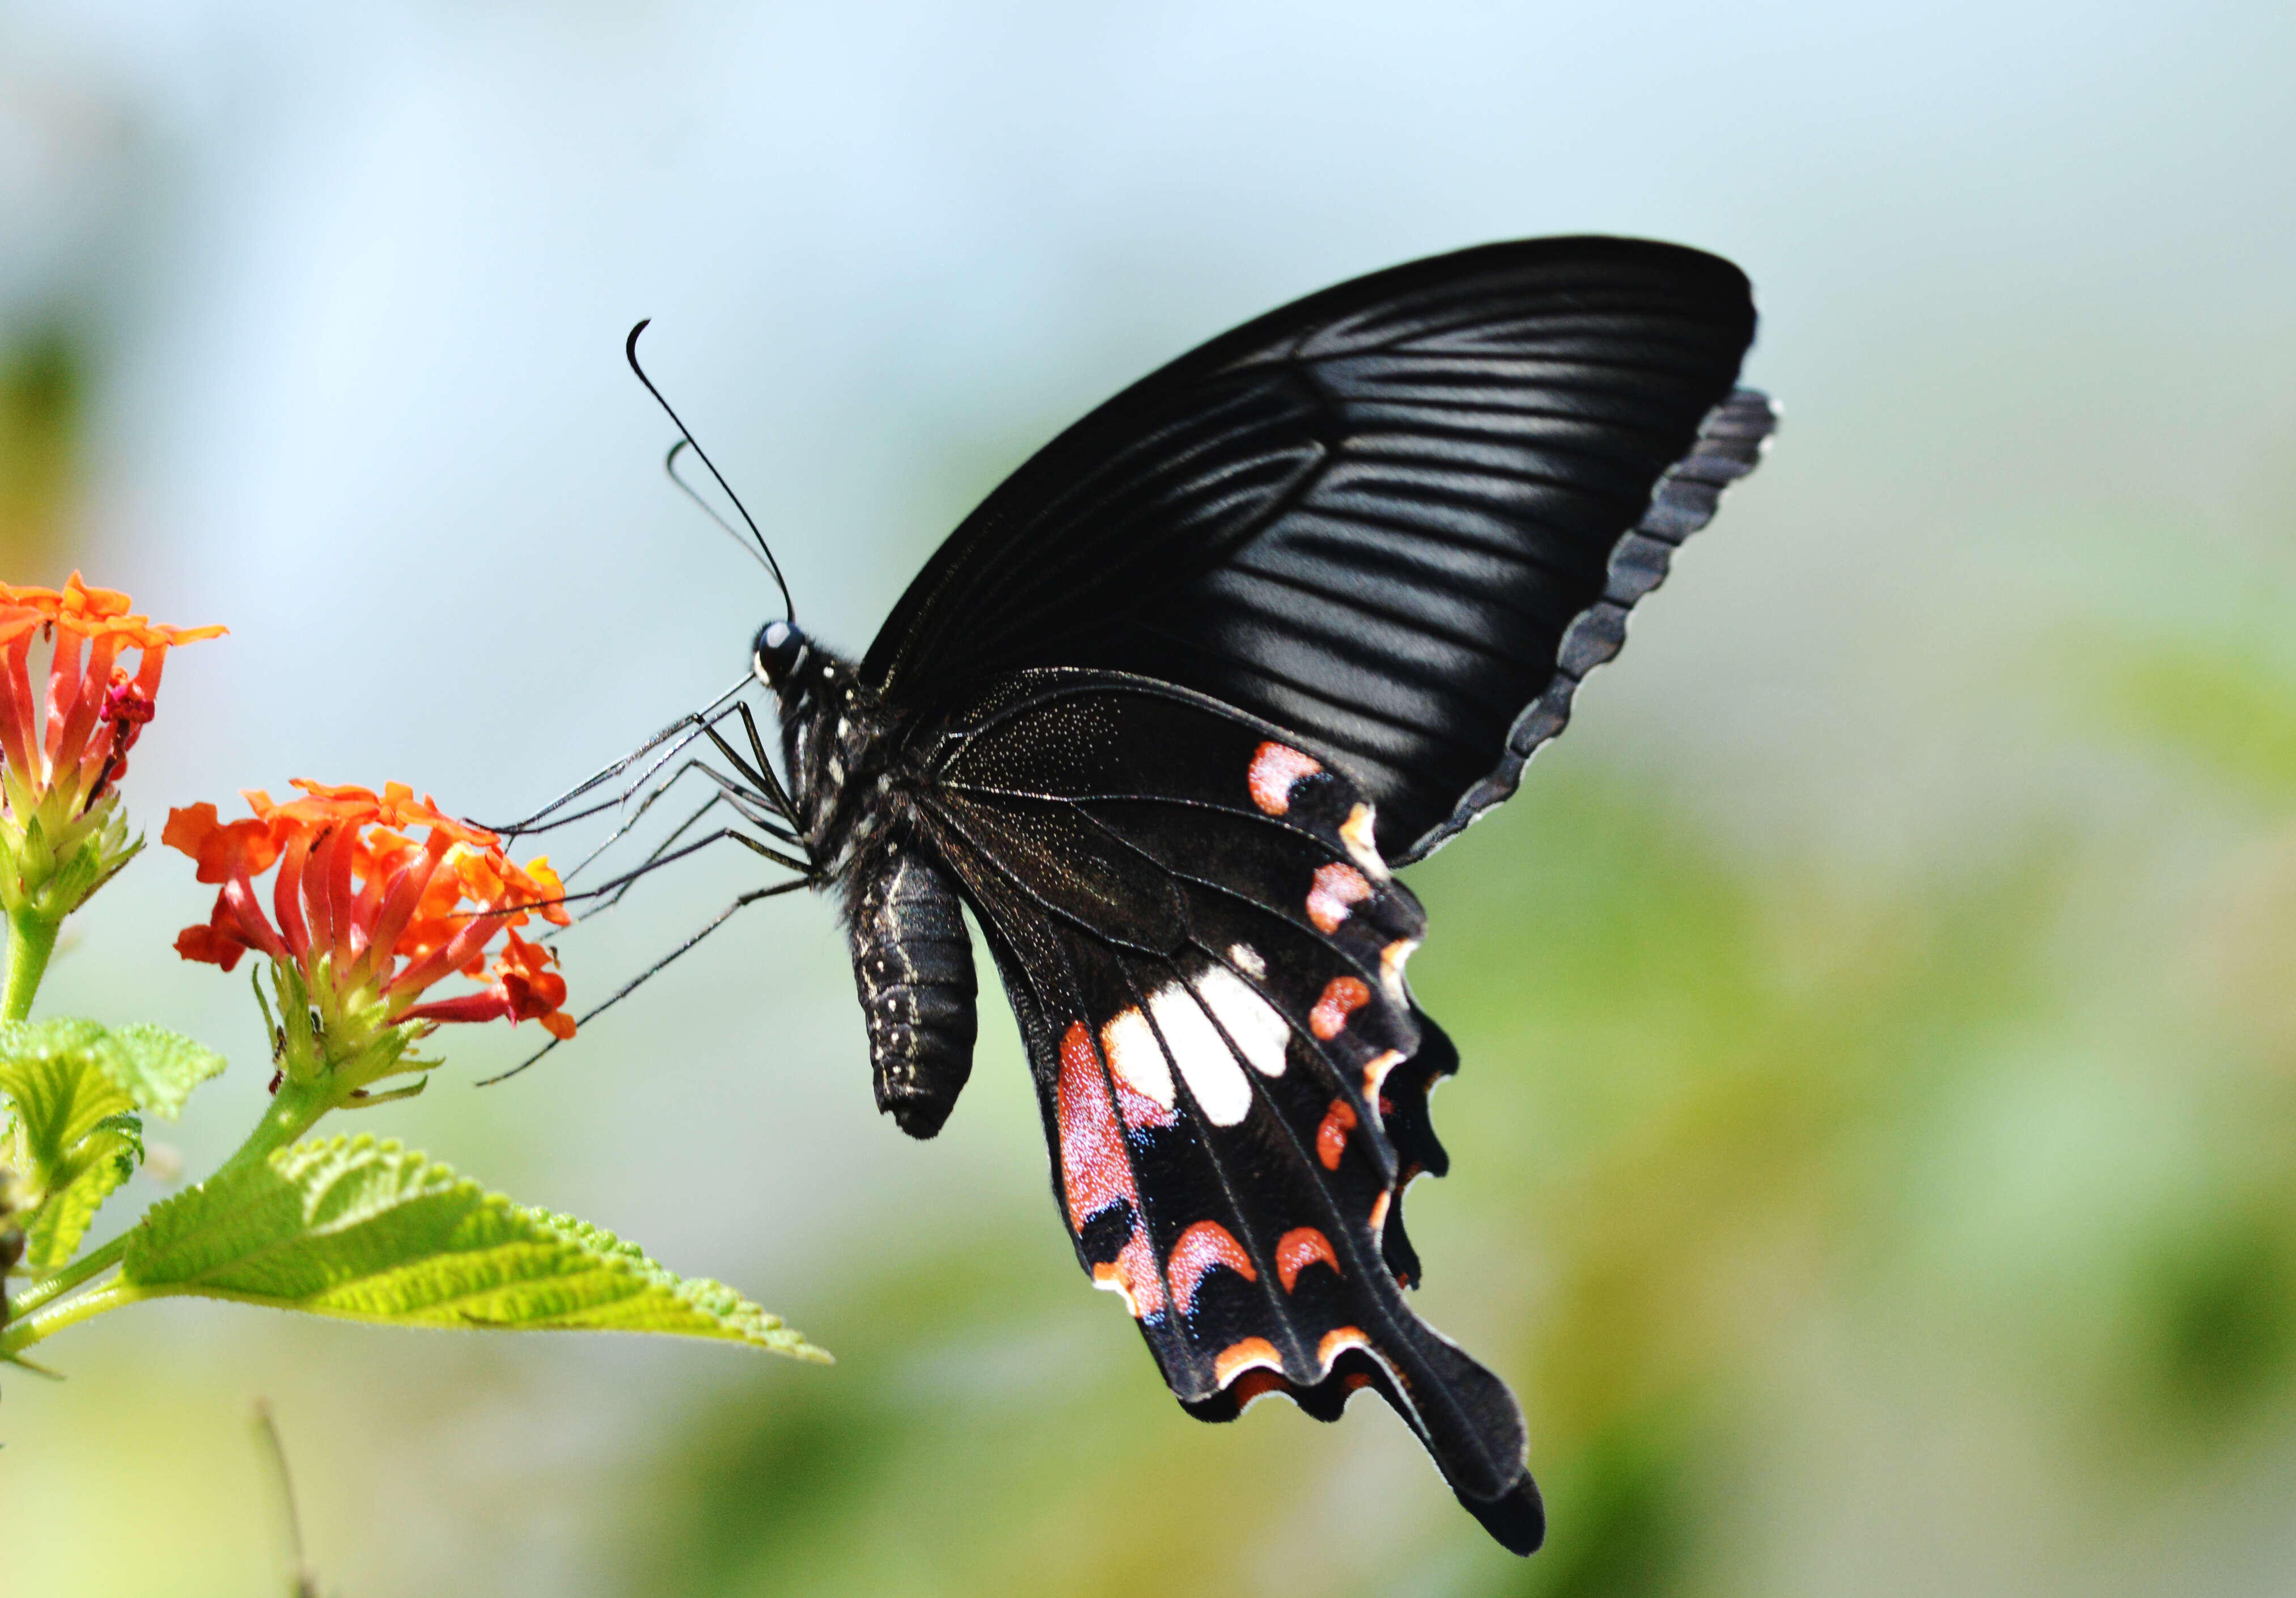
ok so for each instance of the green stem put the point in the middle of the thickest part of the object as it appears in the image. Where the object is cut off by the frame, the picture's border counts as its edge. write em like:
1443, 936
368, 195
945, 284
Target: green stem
31, 939
23, 1333
294, 1109
56, 1285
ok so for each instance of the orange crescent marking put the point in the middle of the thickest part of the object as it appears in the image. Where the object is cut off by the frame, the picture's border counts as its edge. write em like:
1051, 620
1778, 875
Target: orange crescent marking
1274, 771
1392, 961
1338, 1341
1375, 1072
1201, 1248
1379, 1210
1360, 833
1332, 1136
1236, 1358
1342, 995
1298, 1249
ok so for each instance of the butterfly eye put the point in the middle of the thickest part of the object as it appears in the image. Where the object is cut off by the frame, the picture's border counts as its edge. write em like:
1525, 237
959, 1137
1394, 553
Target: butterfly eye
779, 647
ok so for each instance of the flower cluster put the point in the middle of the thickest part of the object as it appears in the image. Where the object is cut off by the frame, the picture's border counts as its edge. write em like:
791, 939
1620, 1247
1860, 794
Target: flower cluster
62, 835
366, 918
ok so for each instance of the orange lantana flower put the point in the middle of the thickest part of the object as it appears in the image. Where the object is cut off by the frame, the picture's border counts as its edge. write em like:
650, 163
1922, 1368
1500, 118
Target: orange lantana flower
95, 709
61, 834
364, 919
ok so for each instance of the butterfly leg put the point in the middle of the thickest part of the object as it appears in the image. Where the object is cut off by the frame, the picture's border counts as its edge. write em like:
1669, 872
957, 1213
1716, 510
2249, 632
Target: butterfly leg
746, 802
677, 735
655, 969
762, 774
807, 875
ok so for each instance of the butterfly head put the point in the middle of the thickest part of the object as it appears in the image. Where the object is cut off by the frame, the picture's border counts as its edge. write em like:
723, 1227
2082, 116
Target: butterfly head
780, 654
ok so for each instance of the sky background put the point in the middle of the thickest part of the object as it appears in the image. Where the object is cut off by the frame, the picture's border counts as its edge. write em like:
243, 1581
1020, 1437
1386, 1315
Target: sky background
1872, 1159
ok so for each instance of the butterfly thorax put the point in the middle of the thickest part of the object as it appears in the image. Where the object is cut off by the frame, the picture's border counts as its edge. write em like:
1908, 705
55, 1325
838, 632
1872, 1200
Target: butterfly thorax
912, 958
835, 746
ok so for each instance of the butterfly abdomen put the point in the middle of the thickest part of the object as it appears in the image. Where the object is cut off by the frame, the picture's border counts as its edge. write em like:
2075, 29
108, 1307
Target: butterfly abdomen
912, 965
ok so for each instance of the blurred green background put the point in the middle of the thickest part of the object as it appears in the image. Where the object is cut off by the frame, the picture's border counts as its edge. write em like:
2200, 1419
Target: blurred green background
1873, 1156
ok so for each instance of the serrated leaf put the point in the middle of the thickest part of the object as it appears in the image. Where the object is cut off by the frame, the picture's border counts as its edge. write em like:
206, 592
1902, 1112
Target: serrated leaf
157, 1069
58, 1091
70, 1139
369, 1230
93, 1170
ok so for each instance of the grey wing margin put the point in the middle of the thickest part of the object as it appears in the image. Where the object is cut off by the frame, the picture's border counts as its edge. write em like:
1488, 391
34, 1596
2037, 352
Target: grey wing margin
1729, 445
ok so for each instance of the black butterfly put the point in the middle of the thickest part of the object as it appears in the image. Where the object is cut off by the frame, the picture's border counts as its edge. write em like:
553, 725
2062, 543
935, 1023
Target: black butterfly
1164, 712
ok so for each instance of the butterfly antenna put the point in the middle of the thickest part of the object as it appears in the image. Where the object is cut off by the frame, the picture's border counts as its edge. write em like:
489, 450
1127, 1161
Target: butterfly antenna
669, 464
630, 350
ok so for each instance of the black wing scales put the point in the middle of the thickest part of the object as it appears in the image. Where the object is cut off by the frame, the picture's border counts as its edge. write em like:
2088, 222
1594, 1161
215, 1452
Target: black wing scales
1206, 956
1401, 518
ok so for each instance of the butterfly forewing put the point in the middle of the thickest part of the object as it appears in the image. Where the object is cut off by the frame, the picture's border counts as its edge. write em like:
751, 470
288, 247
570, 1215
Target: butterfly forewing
1374, 517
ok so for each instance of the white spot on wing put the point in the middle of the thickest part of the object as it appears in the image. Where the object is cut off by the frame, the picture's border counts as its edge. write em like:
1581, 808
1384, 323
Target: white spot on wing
1248, 957
1136, 1057
1251, 1020
1202, 1055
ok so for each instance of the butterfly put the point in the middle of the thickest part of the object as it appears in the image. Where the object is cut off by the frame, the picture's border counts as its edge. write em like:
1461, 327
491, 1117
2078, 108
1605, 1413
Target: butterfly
1166, 712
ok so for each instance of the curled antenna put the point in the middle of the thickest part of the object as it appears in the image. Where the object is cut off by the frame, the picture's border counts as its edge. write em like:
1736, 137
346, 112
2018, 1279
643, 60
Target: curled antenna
630, 350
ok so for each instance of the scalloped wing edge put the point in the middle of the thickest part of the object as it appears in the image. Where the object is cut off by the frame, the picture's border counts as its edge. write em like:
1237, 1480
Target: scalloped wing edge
1730, 444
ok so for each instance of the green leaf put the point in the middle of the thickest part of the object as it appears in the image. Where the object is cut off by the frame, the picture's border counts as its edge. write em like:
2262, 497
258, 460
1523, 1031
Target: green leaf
157, 1069
70, 1138
93, 1169
368, 1231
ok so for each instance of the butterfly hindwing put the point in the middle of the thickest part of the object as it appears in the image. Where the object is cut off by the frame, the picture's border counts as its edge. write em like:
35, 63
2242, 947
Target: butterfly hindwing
1207, 955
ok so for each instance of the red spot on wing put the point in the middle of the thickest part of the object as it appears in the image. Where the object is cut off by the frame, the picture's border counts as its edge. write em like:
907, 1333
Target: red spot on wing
1132, 1275
1251, 1354
1379, 1210
1095, 1171
1274, 769
1139, 1110
1298, 1249
1338, 1341
1338, 888
1097, 1174
1332, 1136
1341, 996
1203, 1247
